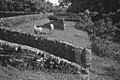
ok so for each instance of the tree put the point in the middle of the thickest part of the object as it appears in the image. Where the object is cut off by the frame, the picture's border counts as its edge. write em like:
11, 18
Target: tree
102, 6
65, 2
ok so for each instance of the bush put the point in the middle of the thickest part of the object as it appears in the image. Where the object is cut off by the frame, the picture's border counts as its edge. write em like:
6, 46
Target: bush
102, 37
102, 28
104, 48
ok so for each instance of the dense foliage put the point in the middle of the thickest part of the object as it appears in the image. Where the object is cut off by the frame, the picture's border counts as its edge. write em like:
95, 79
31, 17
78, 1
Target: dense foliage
102, 35
106, 48
104, 6
103, 28
26, 5
111, 7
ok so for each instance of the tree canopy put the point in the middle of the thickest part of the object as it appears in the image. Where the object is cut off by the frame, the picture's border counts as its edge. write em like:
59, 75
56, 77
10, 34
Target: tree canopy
25, 5
104, 6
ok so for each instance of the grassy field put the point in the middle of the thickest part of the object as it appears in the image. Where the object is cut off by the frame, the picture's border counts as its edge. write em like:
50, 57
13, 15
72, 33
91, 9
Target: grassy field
70, 34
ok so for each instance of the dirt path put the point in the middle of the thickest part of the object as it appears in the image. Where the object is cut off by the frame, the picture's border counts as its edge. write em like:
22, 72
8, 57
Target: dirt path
70, 34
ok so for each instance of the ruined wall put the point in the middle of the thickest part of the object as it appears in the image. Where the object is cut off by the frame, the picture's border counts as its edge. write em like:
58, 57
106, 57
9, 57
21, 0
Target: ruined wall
27, 57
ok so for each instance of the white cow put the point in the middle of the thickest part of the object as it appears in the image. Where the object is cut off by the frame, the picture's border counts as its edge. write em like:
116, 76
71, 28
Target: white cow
37, 29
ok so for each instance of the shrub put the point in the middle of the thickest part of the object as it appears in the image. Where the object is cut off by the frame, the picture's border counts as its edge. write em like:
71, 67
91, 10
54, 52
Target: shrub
84, 23
102, 28
102, 37
103, 48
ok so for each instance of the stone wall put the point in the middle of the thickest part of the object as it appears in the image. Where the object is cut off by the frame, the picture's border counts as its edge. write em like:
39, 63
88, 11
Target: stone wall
18, 20
21, 56
15, 13
52, 46
58, 48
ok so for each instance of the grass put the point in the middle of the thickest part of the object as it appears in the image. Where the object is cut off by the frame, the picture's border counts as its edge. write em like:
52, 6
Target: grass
11, 73
70, 34
104, 69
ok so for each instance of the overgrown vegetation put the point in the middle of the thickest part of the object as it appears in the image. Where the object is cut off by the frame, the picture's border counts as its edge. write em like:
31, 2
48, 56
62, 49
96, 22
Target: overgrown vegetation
103, 35
101, 6
103, 28
110, 8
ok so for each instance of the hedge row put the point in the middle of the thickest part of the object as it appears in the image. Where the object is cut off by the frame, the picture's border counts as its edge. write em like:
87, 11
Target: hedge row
26, 57
14, 21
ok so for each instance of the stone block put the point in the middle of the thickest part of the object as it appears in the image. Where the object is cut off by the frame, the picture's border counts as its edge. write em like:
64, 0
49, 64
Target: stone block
59, 23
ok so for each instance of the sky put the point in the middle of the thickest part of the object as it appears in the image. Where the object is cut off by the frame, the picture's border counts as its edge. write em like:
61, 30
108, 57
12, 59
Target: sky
54, 1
